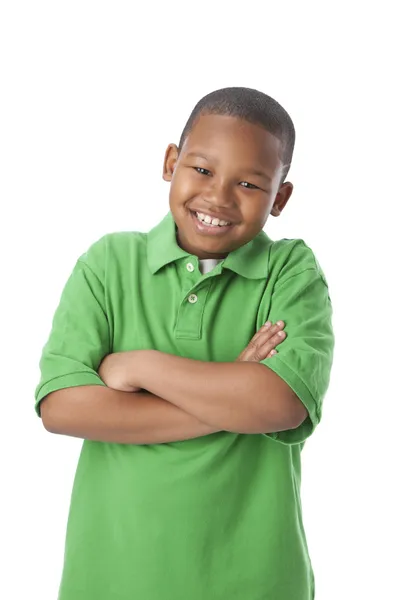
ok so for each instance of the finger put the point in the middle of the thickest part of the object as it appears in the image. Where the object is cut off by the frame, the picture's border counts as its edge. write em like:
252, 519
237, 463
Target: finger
272, 340
270, 337
258, 348
276, 326
266, 346
263, 341
254, 355
268, 330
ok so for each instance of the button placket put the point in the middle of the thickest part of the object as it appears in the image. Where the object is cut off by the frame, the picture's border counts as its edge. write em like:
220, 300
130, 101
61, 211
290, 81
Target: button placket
190, 315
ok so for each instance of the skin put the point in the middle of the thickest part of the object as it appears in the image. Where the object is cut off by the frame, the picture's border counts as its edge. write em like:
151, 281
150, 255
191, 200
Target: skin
113, 414
222, 180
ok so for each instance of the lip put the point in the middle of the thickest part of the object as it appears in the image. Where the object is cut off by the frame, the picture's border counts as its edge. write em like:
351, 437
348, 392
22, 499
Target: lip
221, 216
202, 228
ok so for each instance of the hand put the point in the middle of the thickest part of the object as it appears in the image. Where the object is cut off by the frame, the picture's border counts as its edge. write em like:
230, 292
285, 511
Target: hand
263, 344
117, 369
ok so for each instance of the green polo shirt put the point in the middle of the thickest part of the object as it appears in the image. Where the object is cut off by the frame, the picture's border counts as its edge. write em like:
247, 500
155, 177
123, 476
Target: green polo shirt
213, 518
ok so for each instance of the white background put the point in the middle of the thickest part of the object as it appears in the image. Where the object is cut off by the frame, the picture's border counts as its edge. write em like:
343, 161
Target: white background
91, 94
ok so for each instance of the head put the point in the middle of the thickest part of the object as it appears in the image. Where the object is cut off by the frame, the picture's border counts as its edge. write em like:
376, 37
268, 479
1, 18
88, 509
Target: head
231, 163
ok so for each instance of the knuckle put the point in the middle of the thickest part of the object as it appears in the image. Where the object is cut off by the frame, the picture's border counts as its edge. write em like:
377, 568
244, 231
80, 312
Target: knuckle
265, 350
270, 333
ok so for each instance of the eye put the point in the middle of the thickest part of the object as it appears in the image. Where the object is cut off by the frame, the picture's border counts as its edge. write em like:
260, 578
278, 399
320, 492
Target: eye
202, 171
248, 185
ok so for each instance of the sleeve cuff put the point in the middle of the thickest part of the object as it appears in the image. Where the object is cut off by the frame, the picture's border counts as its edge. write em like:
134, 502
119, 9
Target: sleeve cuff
301, 433
65, 381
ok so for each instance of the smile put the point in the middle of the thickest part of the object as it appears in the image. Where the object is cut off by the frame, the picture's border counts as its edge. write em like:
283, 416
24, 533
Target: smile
214, 222
205, 224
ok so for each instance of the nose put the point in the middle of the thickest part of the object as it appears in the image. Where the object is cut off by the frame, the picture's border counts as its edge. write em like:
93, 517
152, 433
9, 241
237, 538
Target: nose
218, 194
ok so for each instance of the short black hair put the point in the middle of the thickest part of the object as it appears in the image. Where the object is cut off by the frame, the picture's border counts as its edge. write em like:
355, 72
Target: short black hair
252, 106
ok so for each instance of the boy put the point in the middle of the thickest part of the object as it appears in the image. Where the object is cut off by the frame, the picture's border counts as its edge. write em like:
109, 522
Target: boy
188, 483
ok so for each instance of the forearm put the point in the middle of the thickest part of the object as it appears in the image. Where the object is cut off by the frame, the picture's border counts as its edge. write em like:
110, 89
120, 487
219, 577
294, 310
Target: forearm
102, 414
244, 397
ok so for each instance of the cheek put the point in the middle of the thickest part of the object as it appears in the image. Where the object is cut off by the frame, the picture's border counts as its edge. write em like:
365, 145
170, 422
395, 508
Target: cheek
254, 209
184, 186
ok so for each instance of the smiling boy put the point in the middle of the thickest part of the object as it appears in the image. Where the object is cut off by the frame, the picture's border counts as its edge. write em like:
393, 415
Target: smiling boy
188, 483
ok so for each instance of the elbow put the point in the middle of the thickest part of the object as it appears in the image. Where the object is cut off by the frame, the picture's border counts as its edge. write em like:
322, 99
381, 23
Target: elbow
291, 415
47, 413
273, 425
297, 413
294, 413
55, 409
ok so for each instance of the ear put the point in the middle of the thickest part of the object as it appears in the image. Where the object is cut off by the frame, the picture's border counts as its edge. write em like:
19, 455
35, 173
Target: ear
170, 160
282, 197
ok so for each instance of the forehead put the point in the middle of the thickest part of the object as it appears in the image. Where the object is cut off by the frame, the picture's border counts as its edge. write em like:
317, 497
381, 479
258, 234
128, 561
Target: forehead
234, 139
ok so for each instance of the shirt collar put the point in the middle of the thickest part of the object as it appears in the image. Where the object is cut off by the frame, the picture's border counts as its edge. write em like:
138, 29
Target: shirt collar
250, 260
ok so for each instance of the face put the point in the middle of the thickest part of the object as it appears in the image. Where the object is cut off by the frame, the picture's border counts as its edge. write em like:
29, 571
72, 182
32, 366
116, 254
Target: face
227, 169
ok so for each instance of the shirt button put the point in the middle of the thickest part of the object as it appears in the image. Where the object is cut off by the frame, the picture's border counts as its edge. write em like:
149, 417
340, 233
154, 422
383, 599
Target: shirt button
192, 298
190, 267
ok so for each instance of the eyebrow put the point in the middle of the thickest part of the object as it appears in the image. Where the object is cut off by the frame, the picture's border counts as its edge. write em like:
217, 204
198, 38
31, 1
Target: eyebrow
250, 171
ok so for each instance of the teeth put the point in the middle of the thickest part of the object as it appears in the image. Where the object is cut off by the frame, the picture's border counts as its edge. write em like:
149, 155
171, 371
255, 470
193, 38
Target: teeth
213, 222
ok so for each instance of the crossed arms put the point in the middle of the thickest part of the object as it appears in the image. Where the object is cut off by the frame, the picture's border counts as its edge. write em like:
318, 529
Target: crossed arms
184, 399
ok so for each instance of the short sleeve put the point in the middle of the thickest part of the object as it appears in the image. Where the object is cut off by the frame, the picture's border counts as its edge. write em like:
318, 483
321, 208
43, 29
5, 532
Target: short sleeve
79, 337
304, 359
